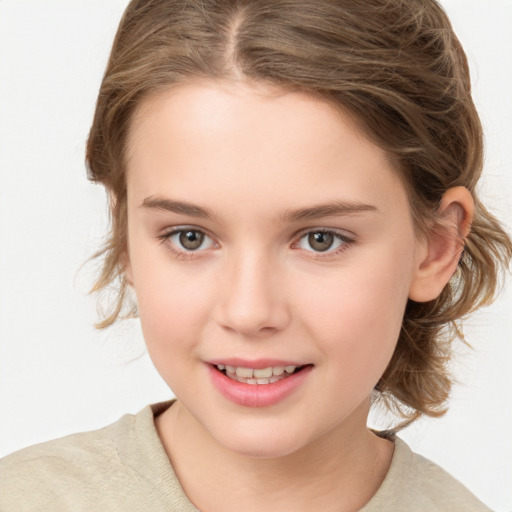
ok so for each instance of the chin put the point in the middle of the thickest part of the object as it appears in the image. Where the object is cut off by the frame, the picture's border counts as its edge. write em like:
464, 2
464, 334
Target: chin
258, 449
261, 441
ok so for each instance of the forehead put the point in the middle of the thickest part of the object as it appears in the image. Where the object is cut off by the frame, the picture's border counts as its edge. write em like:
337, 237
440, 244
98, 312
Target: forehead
221, 108
256, 141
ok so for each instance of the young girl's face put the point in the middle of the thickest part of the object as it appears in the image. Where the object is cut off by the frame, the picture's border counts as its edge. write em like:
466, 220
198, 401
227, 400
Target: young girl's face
266, 232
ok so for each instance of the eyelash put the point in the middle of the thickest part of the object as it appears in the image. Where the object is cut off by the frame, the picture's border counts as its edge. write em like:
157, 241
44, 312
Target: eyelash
165, 239
345, 242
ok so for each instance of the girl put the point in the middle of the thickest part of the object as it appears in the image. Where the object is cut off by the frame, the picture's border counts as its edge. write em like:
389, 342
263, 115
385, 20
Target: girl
293, 202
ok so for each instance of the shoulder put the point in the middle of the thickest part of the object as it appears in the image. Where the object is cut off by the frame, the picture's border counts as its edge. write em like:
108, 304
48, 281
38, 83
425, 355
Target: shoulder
56, 471
118, 467
416, 483
60, 453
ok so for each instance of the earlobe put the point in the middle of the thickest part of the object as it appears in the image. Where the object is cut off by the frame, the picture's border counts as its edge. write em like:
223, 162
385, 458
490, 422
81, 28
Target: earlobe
439, 254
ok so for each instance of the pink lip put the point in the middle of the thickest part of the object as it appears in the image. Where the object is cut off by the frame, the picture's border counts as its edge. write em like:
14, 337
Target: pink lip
256, 364
257, 395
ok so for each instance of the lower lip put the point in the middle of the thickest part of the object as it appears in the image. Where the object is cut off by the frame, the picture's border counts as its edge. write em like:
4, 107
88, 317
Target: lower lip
258, 395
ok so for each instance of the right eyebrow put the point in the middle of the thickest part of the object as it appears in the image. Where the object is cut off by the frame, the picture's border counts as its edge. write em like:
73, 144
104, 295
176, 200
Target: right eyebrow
180, 207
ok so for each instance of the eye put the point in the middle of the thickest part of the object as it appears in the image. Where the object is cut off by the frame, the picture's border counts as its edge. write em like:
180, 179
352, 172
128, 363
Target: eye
189, 240
322, 241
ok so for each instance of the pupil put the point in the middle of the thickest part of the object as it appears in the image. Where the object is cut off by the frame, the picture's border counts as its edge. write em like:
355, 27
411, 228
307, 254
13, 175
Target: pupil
191, 240
321, 241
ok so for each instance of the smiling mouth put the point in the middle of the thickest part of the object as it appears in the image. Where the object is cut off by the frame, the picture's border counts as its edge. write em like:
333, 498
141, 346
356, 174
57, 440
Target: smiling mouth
263, 376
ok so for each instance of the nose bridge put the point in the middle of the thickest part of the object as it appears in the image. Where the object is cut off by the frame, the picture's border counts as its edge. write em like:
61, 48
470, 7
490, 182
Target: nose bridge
253, 302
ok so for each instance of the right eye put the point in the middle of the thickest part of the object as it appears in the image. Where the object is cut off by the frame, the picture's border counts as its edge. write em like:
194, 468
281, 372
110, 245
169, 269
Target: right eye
189, 240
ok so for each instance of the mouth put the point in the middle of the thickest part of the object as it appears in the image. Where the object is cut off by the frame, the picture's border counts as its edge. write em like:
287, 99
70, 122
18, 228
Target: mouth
270, 383
258, 376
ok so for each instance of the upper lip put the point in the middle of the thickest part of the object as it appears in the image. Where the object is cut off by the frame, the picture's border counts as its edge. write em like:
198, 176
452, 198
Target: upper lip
254, 363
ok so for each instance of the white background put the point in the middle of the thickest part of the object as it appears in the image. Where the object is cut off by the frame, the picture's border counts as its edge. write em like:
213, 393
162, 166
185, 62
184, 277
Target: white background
57, 373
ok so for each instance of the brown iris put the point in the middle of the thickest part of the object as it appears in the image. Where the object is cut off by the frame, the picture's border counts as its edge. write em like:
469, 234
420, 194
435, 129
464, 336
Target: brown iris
191, 240
320, 241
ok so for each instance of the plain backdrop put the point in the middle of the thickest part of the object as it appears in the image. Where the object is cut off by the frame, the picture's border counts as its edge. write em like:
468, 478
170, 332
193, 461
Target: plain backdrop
57, 373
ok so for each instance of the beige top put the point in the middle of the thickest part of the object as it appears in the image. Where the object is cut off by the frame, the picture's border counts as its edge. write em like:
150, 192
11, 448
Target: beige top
124, 467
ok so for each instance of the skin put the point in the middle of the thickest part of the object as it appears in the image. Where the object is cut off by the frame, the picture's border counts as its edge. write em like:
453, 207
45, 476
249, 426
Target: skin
256, 288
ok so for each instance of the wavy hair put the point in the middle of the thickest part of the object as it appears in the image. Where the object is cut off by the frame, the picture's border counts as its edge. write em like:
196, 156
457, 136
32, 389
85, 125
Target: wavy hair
396, 67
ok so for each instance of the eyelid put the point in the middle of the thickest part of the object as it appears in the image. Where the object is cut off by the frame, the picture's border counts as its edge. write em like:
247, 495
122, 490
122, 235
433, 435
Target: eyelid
167, 233
348, 240
343, 233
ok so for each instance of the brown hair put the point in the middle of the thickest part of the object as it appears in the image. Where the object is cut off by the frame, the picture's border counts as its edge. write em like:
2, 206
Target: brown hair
396, 66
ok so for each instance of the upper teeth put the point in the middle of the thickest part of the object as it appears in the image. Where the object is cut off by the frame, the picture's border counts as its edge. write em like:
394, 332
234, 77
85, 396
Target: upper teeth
257, 373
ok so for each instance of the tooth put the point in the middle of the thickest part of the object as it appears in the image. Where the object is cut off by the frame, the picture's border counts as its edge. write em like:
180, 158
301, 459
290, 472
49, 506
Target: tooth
290, 369
263, 373
230, 369
274, 378
221, 367
262, 381
251, 381
244, 372
278, 370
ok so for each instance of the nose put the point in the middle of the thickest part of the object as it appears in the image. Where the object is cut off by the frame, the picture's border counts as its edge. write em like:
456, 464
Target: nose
253, 302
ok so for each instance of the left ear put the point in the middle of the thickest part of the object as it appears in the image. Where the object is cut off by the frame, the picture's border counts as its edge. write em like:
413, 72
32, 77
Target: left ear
440, 252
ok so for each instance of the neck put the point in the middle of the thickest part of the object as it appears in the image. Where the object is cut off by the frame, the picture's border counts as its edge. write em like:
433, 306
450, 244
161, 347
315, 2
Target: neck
339, 471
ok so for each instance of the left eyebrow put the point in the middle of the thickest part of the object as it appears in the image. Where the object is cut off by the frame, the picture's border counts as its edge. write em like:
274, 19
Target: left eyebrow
334, 208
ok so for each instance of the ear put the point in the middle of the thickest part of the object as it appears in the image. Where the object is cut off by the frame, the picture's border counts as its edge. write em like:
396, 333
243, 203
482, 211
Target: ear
439, 254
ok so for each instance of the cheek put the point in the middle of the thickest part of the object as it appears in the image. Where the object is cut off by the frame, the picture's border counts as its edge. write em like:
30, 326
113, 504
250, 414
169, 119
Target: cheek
357, 314
173, 305
172, 317
169, 311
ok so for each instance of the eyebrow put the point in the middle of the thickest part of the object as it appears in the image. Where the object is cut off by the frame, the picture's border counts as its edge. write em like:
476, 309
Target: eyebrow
334, 208
180, 207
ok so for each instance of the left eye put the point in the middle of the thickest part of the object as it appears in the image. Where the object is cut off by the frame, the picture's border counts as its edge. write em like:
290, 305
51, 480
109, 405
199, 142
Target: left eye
190, 240
321, 241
